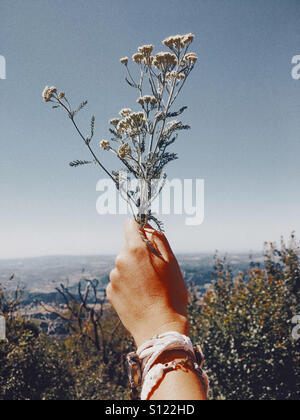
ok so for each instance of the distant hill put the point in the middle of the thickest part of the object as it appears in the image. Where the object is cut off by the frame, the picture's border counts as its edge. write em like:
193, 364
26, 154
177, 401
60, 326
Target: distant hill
199, 268
41, 275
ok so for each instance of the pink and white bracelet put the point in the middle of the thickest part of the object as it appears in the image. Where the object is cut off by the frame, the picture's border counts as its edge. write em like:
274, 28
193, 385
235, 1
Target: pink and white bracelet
145, 373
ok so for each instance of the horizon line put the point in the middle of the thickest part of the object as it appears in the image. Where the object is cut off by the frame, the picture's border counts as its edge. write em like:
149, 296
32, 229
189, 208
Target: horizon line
113, 255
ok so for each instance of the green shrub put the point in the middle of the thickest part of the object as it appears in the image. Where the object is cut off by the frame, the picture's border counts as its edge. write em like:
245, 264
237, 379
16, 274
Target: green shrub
31, 367
244, 325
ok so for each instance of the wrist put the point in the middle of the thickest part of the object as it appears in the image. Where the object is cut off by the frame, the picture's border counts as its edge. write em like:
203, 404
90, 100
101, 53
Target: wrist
179, 324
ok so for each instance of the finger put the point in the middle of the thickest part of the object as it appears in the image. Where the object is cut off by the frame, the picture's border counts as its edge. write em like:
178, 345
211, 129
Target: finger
162, 245
114, 277
132, 234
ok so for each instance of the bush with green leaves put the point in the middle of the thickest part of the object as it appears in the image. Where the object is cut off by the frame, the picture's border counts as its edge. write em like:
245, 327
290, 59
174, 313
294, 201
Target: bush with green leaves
32, 366
87, 364
244, 325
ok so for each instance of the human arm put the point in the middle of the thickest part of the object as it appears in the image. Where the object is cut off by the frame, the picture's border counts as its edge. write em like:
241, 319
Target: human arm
149, 294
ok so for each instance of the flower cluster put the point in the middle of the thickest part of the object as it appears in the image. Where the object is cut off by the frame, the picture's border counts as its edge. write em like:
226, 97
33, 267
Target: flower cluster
178, 41
48, 93
146, 50
174, 75
125, 112
132, 124
124, 150
114, 121
191, 58
124, 60
143, 56
105, 144
147, 99
165, 60
138, 58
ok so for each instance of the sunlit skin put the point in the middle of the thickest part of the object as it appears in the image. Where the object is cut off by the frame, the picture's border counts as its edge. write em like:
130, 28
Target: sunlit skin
150, 296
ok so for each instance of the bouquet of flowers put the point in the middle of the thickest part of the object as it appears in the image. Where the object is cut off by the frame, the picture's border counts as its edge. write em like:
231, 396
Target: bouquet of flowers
141, 139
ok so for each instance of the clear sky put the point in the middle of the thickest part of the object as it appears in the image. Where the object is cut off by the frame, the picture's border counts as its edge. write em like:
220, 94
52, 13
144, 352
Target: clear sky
244, 109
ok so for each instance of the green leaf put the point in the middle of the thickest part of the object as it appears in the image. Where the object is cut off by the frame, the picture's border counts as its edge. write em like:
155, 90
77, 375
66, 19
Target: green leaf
76, 163
92, 126
80, 107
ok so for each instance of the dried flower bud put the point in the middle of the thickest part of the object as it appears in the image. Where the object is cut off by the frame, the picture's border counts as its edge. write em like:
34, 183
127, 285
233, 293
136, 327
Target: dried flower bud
125, 112
168, 42
124, 150
105, 144
178, 41
138, 58
188, 38
48, 93
172, 75
136, 120
146, 50
114, 121
192, 58
147, 99
156, 63
124, 60
165, 60
61, 95
153, 101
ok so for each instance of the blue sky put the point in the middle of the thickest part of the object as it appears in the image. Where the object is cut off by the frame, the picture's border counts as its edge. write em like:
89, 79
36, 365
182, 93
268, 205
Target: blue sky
244, 109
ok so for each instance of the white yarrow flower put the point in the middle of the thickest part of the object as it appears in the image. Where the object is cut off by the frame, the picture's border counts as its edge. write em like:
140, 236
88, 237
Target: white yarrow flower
48, 93
125, 112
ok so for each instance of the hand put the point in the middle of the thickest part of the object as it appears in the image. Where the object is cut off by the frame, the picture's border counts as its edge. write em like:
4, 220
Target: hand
148, 291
